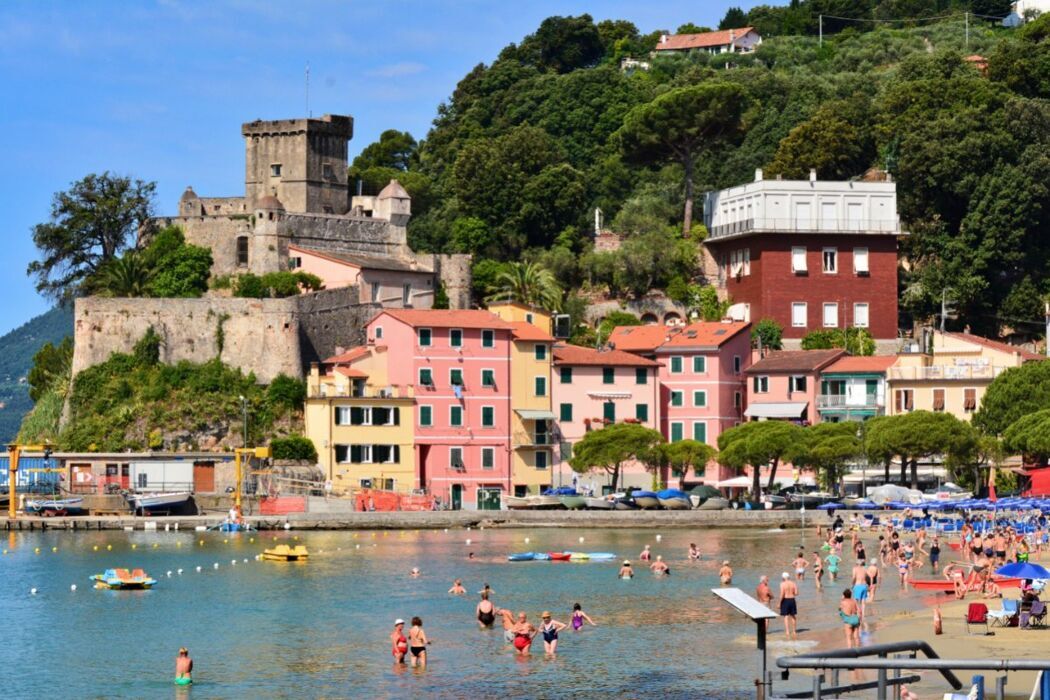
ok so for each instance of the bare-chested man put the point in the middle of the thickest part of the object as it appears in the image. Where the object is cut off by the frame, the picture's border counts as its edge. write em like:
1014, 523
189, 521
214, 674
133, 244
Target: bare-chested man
788, 605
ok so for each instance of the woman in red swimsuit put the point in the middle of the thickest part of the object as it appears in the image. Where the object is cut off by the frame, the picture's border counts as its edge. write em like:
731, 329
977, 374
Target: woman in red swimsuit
524, 631
399, 641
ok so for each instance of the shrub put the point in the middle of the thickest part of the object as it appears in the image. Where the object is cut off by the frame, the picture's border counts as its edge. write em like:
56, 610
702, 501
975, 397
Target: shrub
770, 333
287, 392
275, 284
147, 349
293, 447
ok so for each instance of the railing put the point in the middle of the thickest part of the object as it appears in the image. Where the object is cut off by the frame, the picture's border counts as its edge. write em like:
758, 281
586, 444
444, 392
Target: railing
803, 225
369, 391
533, 440
844, 401
945, 372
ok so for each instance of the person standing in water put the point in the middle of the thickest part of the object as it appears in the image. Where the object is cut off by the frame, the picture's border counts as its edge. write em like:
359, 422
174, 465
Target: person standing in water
626, 571
524, 632
508, 624
417, 643
659, 567
800, 565
833, 560
725, 574
550, 629
457, 588
694, 552
860, 585
579, 617
183, 667
849, 611
399, 645
645, 554
486, 612
818, 570
788, 605
873, 579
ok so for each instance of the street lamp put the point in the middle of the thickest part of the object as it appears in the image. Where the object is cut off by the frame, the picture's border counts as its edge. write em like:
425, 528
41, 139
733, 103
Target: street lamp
863, 463
244, 412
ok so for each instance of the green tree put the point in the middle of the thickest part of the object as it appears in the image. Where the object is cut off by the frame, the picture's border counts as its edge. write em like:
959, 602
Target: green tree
126, 276
1029, 436
394, 149
827, 448
288, 392
528, 283
52, 368
1014, 394
768, 334
836, 141
293, 447
177, 269
682, 125
614, 319
611, 446
710, 306
91, 223
855, 341
734, 18
918, 435
757, 444
275, 284
688, 454
563, 44
471, 235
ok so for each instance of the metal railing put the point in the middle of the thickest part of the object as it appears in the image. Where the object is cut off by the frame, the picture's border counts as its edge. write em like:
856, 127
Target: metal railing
945, 372
803, 225
533, 440
843, 401
369, 391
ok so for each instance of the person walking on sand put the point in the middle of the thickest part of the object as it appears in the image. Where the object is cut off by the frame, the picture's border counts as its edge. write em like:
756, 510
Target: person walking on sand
800, 565
873, 579
818, 571
860, 585
849, 611
725, 574
183, 667
788, 605
550, 629
417, 643
579, 617
524, 632
398, 642
485, 612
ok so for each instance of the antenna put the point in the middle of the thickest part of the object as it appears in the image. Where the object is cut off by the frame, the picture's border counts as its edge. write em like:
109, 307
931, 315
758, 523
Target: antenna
308, 114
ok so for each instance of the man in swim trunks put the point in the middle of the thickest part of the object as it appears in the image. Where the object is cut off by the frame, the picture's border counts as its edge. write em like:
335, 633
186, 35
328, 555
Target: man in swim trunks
184, 665
626, 571
763, 594
524, 632
508, 624
725, 574
849, 611
788, 605
486, 612
860, 585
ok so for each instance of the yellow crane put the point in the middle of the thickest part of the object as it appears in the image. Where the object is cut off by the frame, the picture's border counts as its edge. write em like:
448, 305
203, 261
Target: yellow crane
14, 453
239, 456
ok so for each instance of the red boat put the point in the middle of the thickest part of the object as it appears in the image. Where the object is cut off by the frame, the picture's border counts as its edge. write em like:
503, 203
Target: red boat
559, 556
972, 584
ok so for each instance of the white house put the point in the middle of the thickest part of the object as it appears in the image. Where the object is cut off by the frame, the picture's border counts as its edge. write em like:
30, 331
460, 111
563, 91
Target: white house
742, 40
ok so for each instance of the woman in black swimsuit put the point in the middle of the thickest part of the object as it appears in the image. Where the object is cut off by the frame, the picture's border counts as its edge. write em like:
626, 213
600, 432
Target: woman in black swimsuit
486, 611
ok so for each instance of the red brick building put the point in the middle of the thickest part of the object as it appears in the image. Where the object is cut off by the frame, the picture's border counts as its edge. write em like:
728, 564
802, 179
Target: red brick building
809, 254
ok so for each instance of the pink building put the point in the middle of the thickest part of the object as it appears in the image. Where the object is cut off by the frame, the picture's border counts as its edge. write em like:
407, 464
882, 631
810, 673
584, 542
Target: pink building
595, 387
784, 385
459, 364
390, 281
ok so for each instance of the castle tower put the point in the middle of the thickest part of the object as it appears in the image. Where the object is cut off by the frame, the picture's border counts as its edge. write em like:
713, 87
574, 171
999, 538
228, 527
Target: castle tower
393, 204
269, 245
302, 162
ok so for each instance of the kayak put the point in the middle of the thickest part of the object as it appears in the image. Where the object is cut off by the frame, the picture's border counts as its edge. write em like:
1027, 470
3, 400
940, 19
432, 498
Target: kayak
949, 586
558, 556
541, 556
521, 556
602, 556
579, 556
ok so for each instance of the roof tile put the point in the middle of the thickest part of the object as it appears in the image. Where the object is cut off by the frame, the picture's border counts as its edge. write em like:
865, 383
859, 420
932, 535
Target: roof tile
577, 355
1026, 355
870, 364
680, 42
524, 330
446, 318
795, 361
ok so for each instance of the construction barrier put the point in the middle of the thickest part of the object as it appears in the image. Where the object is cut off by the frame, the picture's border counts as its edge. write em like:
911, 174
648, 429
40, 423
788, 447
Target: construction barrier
387, 501
282, 505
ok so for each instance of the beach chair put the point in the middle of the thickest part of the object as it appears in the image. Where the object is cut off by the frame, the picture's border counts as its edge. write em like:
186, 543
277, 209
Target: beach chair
1037, 615
1005, 616
977, 615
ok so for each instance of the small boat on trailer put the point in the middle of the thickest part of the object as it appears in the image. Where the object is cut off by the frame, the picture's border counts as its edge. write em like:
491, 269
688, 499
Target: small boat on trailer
516, 502
123, 580
595, 503
55, 507
674, 499
283, 552
154, 502
646, 499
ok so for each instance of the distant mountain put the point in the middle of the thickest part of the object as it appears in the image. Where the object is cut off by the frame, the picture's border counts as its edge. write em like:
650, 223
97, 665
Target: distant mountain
16, 358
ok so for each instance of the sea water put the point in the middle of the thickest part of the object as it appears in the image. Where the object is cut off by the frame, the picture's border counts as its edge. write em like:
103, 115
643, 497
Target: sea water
321, 629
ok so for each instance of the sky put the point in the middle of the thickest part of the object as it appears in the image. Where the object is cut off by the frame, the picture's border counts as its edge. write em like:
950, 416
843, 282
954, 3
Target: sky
158, 90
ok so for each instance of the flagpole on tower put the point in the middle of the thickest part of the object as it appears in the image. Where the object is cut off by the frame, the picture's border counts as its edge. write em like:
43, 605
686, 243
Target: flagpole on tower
308, 114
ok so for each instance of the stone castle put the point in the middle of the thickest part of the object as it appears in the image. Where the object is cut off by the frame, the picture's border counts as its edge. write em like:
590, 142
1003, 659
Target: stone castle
297, 204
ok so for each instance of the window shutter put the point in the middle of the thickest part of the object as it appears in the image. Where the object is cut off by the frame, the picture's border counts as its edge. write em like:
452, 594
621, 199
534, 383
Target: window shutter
898, 400
396, 416
355, 454
397, 453
357, 415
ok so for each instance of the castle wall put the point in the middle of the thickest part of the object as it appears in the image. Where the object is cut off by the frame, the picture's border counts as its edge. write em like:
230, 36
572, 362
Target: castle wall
329, 319
453, 271
219, 233
347, 234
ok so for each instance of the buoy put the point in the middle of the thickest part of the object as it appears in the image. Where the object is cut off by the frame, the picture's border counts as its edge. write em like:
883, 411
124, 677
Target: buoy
54, 549
581, 539
155, 545
109, 547
179, 572
202, 543
37, 550
245, 560
251, 539
287, 526
225, 541
357, 546
468, 528
295, 537
275, 538
198, 569
446, 531
73, 588
468, 540
178, 544
5, 551
32, 591
527, 540
169, 574
134, 546
233, 562
659, 537
215, 565
95, 548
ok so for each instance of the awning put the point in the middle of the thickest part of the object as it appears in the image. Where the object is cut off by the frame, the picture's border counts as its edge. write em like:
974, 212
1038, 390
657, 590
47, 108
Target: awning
531, 414
781, 409
737, 482
609, 394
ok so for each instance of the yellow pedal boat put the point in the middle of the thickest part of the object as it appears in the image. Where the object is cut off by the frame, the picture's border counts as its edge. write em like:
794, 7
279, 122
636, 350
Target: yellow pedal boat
283, 552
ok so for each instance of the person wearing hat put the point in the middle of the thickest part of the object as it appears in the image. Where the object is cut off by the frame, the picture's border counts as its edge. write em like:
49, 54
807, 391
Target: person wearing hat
626, 571
788, 606
183, 667
400, 643
725, 574
550, 629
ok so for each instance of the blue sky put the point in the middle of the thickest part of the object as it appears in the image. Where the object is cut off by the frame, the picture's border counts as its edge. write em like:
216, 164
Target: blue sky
158, 90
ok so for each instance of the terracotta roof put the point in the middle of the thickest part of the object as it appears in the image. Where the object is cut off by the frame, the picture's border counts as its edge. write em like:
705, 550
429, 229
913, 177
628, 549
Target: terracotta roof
527, 331
576, 355
875, 364
348, 356
704, 334
638, 338
367, 262
1026, 355
351, 372
269, 202
680, 42
393, 190
795, 361
445, 318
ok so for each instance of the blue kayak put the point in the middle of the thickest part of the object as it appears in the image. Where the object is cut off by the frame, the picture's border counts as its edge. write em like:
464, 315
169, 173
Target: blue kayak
541, 556
521, 556
602, 556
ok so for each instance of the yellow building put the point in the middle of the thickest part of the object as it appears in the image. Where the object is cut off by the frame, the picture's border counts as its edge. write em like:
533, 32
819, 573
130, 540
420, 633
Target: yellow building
361, 425
530, 396
952, 375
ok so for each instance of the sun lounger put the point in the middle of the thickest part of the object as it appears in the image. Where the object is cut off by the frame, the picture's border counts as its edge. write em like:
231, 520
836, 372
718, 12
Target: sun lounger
1005, 616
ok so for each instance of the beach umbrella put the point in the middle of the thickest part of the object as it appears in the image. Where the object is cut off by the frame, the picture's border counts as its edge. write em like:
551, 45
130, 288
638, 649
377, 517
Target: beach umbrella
830, 506
1023, 569
864, 505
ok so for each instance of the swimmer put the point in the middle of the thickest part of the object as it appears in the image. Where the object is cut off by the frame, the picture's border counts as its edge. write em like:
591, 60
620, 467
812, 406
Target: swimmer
486, 589
415, 572
398, 641
579, 617
524, 632
486, 612
508, 624
800, 565
417, 643
646, 554
626, 571
849, 611
725, 574
659, 567
694, 552
550, 629
457, 588
833, 560
470, 556
183, 667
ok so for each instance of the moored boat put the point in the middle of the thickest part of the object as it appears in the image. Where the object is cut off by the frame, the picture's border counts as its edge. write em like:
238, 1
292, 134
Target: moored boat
521, 556
150, 502
625, 503
673, 499
122, 580
646, 499
598, 503
283, 552
49, 507
558, 556
972, 583
601, 556
714, 504
573, 501
516, 502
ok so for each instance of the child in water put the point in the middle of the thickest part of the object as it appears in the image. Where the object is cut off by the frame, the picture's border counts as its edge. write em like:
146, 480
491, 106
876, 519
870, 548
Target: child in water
579, 617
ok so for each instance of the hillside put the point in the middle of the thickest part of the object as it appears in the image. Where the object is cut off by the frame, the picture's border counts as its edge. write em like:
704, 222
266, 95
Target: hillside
16, 357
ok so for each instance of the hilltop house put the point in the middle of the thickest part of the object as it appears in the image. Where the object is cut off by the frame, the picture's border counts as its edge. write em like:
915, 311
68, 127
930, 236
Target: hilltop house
741, 40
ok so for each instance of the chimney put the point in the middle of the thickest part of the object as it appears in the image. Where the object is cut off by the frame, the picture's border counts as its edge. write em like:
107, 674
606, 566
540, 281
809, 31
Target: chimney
663, 38
339, 349
812, 174
758, 174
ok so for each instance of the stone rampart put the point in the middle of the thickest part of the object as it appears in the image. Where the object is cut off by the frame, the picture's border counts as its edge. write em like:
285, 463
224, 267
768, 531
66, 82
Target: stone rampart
329, 319
219, 233
453, 271
347, 234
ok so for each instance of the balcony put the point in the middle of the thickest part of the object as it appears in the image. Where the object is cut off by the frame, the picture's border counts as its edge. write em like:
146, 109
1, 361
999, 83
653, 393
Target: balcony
368, 391
842, 402
945, 372
734, 229
532, 440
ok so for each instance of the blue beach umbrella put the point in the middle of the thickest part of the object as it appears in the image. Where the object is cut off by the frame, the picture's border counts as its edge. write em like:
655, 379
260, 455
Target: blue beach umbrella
1023, 569
865, 505
830, 506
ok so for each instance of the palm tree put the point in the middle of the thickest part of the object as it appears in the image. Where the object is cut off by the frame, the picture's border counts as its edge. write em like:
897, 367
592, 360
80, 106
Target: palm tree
528, 283
126, 276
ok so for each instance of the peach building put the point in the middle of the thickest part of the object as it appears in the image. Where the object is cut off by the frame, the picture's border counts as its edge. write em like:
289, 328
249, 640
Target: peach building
382, 280
784, 385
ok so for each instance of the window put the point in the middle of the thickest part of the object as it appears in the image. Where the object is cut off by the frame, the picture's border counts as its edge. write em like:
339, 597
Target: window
426, 376
541, 386
406, 294
295, 262
488, 377
425, 336
747, 261
796, 383
677, 431
641, 375
737, 399
566, 375
700, 399
565, 412
386, 415
488, 416
379, 332
938, 399
488, 458
831, 260
242, 250
455, 376
608, 375
798, 260
541, 352
700, 431
969, 400
831, 315
677, 398
798, 314
860, 315
455, 338
326, 171
699, 365
736, 364
541, 459
275, 169
488, 339
609, 411
455, 457
860, 261
676, 365
641, 411
426, 416
342, 415
455, 416
528, 318
760, 385
375, 291
904, 400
